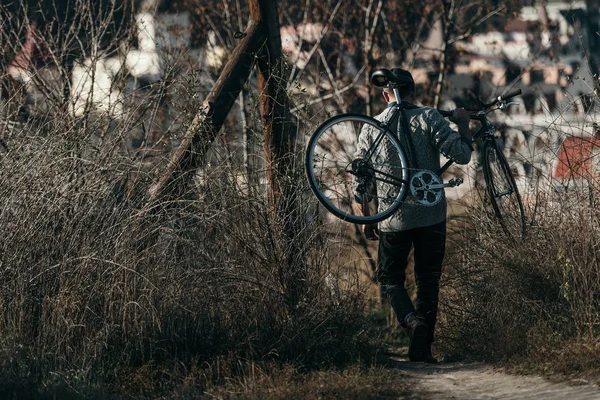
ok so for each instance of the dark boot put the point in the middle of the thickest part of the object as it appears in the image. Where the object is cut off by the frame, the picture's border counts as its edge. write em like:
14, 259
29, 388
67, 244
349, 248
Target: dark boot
417, 333
429, 358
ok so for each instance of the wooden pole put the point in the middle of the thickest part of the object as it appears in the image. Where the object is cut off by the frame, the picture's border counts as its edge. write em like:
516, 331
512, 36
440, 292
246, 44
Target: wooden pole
277, 129
279, 137
206, 124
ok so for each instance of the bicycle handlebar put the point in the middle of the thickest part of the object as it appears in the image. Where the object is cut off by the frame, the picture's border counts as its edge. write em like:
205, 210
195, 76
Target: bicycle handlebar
504, 97
511, 94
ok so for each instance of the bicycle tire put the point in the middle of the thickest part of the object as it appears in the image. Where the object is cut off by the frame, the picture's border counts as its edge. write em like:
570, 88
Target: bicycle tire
343, 209
502, 190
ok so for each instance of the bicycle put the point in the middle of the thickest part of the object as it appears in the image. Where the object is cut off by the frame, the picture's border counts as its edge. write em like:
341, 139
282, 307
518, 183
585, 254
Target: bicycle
339, 179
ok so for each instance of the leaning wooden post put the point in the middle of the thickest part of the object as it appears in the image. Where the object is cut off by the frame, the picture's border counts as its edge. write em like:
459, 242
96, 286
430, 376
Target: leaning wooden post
206, 124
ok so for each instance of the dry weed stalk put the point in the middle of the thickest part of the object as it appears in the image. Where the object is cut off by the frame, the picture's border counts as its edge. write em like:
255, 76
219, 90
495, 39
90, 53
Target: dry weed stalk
95, 288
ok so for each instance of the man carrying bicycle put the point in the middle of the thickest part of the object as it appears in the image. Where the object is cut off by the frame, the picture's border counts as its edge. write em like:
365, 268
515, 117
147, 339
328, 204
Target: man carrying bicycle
426, 134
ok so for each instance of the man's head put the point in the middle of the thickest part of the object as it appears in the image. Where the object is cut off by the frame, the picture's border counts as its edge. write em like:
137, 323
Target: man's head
407, 91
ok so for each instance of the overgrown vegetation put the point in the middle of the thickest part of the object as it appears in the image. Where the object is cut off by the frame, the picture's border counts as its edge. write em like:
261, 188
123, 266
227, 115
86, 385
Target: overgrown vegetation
104, 294
99, 293
352, 383
534, 303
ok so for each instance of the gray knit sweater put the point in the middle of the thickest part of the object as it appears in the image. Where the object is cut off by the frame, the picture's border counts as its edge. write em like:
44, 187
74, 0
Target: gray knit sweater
431, 135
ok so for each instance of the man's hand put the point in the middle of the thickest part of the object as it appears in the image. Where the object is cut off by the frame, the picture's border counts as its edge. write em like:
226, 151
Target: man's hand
371, 231
461, 118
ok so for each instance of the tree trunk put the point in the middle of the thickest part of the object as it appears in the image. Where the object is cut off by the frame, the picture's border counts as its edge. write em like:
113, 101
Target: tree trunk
262, 42
447, 31
279, 136
441, 74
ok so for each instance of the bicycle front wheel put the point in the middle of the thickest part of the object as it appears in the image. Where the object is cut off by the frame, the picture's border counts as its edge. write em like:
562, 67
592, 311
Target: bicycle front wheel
351, 159
502, 190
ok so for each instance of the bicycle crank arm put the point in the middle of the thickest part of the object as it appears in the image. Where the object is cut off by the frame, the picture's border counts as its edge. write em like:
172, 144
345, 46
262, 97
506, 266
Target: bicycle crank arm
451, 183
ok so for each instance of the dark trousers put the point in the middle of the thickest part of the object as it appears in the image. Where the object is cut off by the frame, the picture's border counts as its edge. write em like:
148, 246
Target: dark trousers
429, 248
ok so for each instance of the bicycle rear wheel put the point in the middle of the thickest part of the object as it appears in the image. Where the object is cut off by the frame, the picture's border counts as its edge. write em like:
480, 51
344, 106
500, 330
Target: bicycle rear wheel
502, 190
341, 175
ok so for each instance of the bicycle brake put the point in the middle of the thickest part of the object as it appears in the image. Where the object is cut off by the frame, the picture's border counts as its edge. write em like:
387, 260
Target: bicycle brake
504, 106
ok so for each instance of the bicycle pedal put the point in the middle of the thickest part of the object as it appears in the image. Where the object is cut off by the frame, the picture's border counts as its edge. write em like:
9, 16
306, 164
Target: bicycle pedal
456, 181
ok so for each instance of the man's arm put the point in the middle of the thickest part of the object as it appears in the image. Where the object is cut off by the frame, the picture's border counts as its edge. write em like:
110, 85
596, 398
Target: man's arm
454, 145
364, 208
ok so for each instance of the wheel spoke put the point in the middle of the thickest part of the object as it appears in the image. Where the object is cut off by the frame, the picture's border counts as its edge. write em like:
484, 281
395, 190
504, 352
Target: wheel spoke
335, 178
504, 196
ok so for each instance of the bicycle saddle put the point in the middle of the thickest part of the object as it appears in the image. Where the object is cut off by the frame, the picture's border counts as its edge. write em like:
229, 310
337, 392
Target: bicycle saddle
382, 77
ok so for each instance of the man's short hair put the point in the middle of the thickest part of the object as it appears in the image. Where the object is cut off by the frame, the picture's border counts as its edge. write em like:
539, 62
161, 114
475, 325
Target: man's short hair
402, 73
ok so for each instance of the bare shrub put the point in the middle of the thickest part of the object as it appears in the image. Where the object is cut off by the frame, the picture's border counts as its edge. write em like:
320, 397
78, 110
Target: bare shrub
534, 299
101, 294
94, 285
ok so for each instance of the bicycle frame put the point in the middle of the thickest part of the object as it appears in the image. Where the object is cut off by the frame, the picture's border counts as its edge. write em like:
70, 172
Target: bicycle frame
480, 115
423, 183
485, 130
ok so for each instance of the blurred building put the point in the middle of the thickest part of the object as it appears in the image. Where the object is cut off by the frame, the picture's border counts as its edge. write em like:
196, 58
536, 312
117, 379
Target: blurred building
548, 52
551, 51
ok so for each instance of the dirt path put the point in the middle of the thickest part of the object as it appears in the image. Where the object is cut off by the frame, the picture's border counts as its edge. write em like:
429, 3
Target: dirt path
479, 381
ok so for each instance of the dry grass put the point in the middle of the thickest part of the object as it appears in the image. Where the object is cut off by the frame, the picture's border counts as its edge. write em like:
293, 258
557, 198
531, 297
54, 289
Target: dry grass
533, 303
286, 383
103, 294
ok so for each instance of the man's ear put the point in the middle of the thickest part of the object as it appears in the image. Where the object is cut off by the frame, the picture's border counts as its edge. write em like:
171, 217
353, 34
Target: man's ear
386, 96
